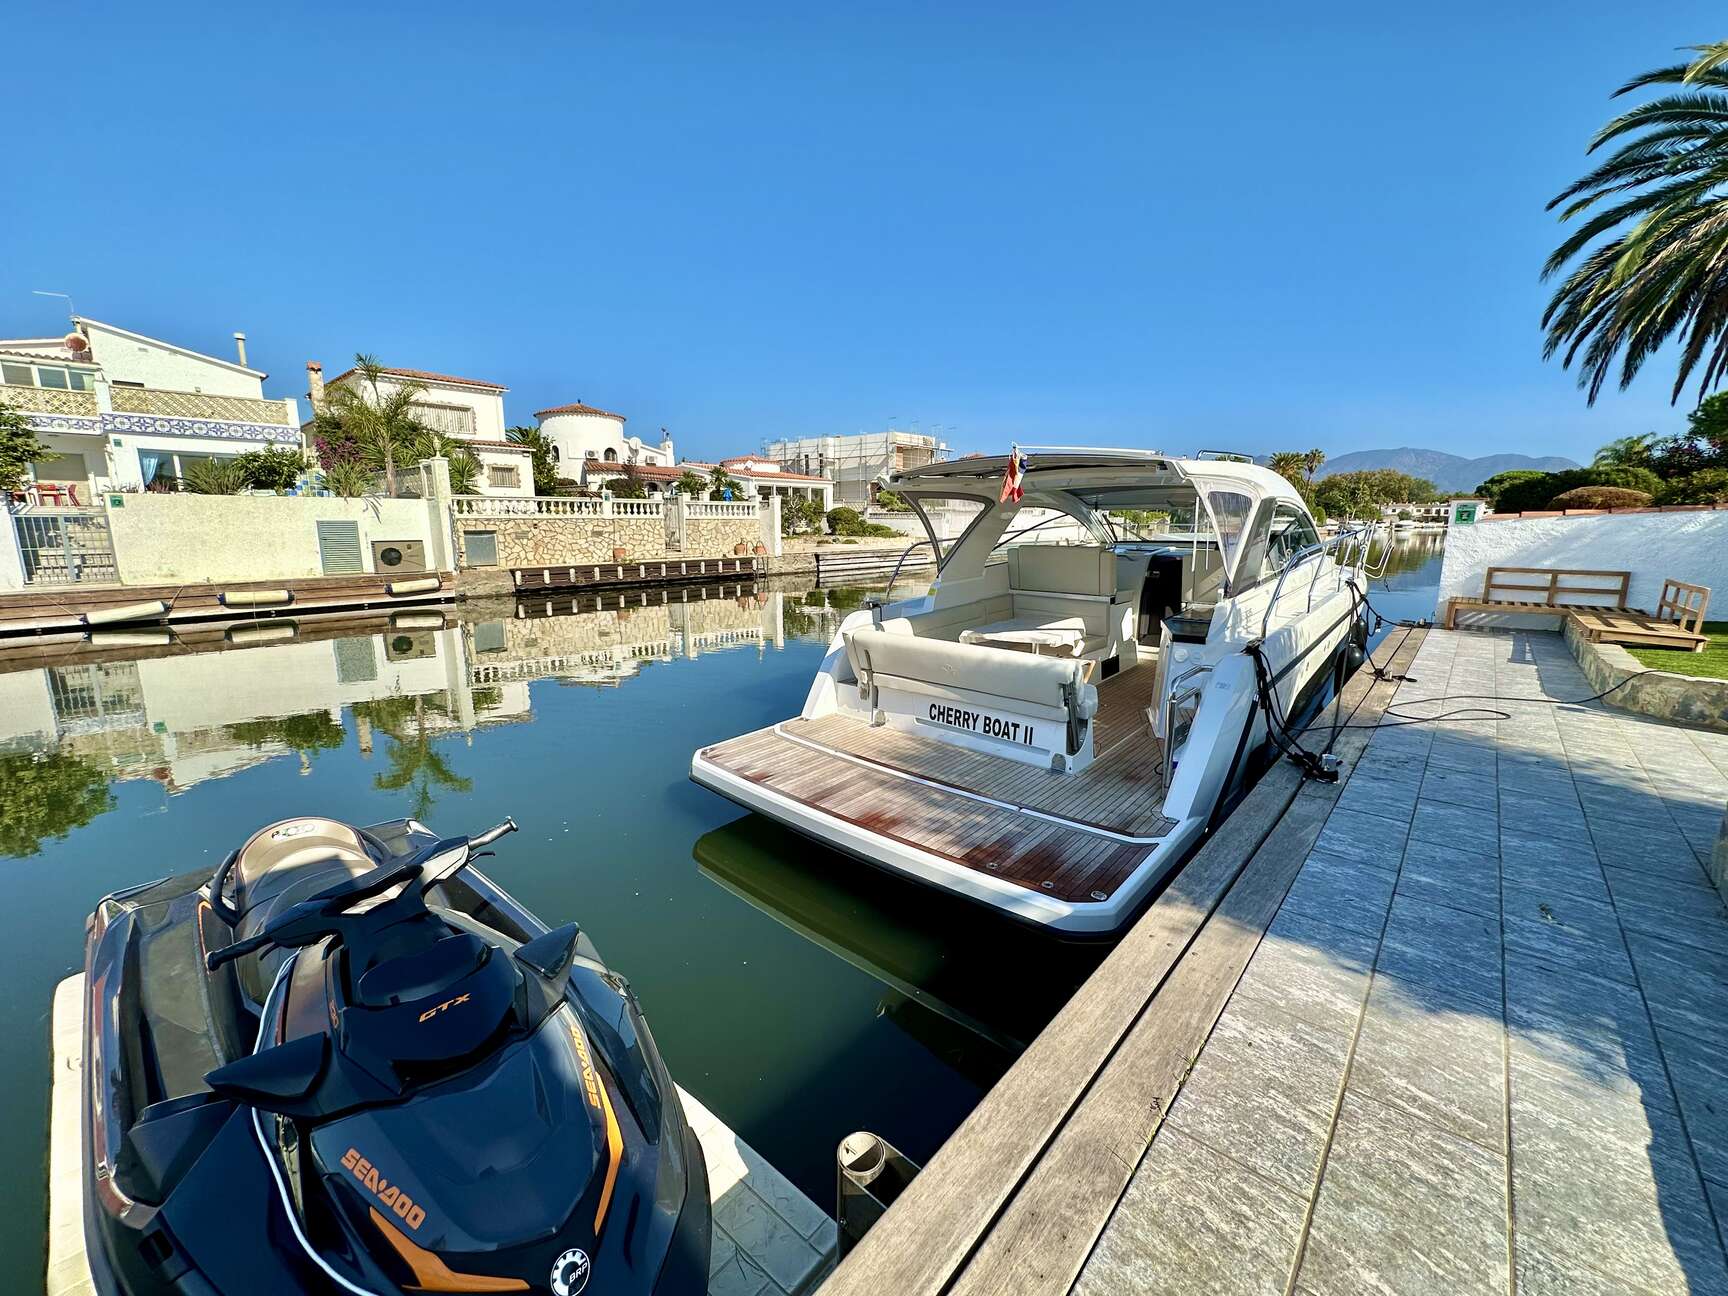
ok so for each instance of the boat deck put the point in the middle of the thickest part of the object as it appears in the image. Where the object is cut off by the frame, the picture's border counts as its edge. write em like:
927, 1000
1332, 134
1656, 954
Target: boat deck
1072, 836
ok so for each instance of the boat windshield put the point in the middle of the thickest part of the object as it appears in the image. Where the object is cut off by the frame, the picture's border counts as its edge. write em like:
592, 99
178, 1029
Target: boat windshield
1148, 513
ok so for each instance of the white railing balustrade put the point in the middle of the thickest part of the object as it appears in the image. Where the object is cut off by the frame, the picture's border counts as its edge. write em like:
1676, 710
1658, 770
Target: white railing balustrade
508, 506
721, 508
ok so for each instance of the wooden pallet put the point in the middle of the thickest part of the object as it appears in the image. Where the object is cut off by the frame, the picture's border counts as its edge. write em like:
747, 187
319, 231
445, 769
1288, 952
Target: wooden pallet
1504, 590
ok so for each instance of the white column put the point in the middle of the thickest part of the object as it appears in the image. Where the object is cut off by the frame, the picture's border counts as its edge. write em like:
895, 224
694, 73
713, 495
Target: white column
770, 518
440, 513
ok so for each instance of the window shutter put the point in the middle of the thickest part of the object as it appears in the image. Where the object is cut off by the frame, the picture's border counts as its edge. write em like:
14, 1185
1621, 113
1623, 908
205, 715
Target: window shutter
339, 547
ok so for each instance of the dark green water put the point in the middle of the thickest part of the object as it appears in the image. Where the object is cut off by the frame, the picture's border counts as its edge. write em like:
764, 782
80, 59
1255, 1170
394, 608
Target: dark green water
798, 994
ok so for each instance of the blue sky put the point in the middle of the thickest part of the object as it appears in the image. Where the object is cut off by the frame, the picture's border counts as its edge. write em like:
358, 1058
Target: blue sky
1257, 226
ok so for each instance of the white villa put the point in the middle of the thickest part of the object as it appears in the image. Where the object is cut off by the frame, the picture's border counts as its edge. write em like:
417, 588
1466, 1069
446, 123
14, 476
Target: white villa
859, 463
588, 441
125, 410
465, 408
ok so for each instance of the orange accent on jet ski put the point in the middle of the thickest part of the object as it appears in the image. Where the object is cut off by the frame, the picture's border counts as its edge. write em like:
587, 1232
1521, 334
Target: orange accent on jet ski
432, 1274
602, 1102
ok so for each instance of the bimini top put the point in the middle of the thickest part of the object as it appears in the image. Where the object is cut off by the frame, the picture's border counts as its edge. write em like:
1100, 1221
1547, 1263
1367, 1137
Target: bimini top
1059, 469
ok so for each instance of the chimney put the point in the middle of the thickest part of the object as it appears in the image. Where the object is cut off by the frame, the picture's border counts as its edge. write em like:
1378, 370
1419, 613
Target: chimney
240, 346
315, 385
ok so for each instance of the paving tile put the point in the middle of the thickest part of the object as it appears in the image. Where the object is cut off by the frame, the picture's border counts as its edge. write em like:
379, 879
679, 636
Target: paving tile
731, 1272
1699, 900
1580, 1025
1442, 874
1263, 1092
1557, 1117
1678, 928
1443, 960
1552, 870
1557, 938
1313, 970
1463, 826
1686, 989
1369, 840
1718, 1195
1192, 1220
1628, 1213
1699, 1070
1390, 798
1457, 787
1446, 1068
1405, 1207
1342, 892
1534, 815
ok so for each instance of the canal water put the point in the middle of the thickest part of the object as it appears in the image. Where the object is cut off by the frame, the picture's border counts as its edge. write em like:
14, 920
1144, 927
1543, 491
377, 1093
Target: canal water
798, 994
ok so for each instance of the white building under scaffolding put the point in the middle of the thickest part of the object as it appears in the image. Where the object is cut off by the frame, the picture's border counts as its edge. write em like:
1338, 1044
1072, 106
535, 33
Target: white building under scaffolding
856, 464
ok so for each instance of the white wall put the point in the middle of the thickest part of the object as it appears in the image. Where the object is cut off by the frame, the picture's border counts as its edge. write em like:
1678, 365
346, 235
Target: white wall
1654, 547
197, 538
126, 358
486, 405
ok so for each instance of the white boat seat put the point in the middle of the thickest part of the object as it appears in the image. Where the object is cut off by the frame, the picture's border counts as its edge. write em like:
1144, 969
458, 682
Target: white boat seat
1062, 569
1050, 690
1062, 637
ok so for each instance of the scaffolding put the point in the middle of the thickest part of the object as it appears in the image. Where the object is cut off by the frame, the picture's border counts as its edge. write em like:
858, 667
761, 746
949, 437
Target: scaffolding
857, 464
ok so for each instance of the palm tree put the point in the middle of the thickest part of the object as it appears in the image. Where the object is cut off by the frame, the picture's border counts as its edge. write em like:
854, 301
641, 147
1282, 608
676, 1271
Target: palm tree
1311, 463
692, 485
1625, 452
723, 481
1288, 464
542, 455
1659, 205
381, 422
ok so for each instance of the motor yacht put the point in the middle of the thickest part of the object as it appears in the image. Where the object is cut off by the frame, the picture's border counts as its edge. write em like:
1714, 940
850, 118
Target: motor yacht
1057, 723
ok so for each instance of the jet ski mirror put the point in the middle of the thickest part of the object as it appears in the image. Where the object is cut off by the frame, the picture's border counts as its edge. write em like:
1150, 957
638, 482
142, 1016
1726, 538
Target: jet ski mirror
273, 1079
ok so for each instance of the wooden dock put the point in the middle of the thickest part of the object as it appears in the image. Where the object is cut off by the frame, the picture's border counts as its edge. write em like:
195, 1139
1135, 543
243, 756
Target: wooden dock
599, 576
768, 1239
1451, 1025
59, 610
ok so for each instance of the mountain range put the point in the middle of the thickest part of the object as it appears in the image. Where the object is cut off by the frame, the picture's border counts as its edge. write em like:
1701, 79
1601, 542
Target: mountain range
1448, 472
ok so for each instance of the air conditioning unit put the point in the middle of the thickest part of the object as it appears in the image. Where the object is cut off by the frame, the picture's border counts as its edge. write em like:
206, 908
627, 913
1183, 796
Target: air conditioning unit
393, 557
401, 645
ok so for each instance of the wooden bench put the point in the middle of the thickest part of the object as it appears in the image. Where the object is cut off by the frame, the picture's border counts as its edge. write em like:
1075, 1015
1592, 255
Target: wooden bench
1677, 623
1502, 588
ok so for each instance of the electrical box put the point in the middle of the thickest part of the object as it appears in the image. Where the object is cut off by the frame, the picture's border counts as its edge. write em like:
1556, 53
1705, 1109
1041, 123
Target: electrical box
393, 557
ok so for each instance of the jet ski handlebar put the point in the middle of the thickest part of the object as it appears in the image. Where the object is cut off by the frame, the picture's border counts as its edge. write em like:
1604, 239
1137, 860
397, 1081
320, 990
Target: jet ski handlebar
328, 912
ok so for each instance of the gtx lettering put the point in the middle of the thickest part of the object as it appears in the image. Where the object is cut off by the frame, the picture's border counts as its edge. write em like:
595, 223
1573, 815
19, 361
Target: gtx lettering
388, 1194
448, 1003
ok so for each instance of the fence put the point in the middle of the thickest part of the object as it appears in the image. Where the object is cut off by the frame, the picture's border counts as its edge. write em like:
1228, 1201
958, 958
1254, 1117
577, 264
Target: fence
65, 547
514, 506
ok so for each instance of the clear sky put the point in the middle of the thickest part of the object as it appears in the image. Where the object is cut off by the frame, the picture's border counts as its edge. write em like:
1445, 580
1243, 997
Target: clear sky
1254, 225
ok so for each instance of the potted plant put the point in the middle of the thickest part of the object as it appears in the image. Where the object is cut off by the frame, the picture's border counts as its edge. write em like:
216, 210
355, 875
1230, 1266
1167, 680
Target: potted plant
738, 550
619, 554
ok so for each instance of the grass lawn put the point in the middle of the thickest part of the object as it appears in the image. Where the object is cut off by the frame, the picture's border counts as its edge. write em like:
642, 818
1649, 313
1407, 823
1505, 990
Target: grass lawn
1712, 662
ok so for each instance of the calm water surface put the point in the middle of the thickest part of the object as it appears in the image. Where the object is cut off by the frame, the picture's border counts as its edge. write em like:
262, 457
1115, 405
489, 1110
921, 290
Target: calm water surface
798, 994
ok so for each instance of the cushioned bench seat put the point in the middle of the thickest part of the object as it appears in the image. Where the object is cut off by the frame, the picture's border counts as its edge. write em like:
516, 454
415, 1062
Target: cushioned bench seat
1058, 637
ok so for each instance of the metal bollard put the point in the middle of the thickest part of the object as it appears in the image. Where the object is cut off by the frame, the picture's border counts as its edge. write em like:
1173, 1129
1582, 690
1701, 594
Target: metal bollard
871, 1173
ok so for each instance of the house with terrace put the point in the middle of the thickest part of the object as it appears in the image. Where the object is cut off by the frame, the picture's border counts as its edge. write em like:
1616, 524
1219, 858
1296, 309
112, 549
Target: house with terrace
590, 444
469, 410
122, 410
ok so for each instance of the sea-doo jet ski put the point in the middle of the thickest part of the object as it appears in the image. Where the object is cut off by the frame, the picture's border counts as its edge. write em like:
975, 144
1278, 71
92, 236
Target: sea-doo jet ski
349, 1062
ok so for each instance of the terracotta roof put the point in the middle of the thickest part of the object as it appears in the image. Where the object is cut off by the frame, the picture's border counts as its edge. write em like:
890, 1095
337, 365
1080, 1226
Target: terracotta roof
495, 445
423, 375
1581, 513
579, 408
665, 473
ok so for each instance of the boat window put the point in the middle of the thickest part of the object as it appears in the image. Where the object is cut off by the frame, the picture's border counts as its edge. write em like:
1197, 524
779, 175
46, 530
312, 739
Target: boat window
947, 517
1288, 532
1148, 513
1231, 510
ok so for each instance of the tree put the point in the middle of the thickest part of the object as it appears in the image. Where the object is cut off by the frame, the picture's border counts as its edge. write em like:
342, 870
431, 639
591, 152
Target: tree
1491, 489
1291, 465
629, 486
1658, 203
416, 764
892, 502
1312, 462
464, 464
275, 468
380, 423
47, 796
844, 520
1625, 452
1361, 494
542, 455
691, 485
799, 514
19, 448
1534, 494
723, 483
1599, 497
1707, 486
1703, 445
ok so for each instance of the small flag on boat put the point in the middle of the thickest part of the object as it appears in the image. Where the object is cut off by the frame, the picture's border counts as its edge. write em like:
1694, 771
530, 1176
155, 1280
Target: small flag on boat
1014, 478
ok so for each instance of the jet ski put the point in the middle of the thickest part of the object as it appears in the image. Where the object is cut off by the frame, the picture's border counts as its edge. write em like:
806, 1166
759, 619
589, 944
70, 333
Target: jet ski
347, 1061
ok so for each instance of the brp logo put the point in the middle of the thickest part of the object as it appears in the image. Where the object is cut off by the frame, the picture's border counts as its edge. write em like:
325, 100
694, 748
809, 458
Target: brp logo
570, 1272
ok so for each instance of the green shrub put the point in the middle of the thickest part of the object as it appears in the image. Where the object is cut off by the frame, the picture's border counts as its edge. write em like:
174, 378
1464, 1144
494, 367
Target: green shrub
1599, 497
1534, 494
1707, 486
214, 477
893, 503
273, 469
349, 480
844, 521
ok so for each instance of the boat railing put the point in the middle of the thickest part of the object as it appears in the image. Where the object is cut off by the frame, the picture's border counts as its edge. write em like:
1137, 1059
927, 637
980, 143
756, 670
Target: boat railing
1348, 549
1174, 701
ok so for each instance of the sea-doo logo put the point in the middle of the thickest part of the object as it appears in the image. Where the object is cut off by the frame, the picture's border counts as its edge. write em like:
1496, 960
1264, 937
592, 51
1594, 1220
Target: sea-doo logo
570, 1272
388, 1194
299, 829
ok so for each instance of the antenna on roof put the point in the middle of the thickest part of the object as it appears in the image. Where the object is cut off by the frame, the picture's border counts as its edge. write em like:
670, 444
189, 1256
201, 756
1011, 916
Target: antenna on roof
71, 311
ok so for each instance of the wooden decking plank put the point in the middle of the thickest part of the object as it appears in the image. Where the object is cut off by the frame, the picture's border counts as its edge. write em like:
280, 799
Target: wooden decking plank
1043, 1237
928, 1235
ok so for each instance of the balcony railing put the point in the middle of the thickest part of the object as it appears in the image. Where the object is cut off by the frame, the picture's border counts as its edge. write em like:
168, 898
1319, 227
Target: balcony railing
198, 405
49, 400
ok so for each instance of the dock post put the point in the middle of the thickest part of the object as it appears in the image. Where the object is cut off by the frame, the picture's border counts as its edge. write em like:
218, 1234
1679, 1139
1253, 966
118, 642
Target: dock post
870, 1174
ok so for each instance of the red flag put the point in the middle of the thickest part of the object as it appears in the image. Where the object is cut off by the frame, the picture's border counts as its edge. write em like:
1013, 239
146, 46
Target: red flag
1014, 479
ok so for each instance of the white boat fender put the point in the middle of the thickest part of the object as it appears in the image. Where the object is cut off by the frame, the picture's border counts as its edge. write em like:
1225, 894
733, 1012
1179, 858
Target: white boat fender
422, 585
255, 598
129, 638
154, 610
262, 632
417, 621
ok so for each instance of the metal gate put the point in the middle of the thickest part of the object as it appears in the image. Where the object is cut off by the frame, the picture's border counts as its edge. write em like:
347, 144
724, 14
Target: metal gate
674, 511
65, 547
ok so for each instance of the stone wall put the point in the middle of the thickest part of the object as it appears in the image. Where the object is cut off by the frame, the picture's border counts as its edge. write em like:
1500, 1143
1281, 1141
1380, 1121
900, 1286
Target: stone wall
562, 541
714, 537
1685, 699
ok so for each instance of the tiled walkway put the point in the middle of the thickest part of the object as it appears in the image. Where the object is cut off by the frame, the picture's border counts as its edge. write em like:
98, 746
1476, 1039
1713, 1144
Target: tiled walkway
1482, 1047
